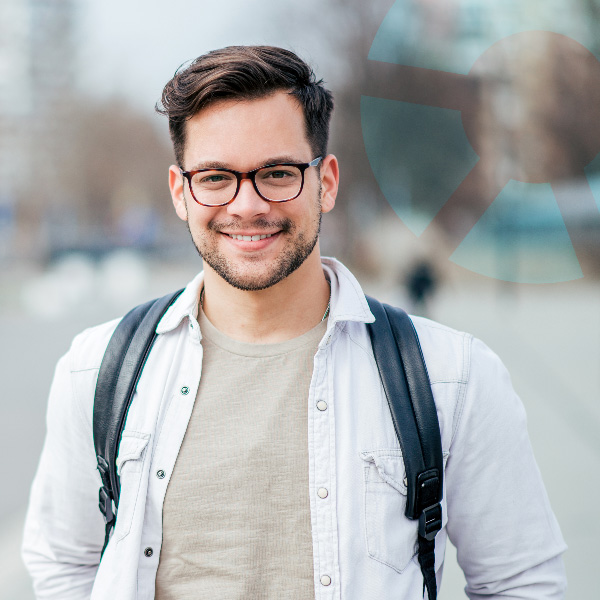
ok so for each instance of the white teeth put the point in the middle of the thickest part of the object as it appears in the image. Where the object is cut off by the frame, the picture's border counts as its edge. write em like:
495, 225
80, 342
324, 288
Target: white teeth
248, 238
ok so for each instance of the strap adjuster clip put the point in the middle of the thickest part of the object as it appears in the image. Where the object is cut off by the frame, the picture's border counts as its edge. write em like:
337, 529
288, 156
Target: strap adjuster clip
105, 504
430, 521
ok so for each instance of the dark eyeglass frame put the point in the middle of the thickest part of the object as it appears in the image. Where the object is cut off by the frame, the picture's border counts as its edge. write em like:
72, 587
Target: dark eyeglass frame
251, 175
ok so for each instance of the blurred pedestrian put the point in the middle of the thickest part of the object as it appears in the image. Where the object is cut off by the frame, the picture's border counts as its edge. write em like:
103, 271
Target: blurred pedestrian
421, 284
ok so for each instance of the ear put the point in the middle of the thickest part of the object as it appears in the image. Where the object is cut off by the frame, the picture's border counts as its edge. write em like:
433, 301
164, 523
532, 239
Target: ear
330, 177
176, 185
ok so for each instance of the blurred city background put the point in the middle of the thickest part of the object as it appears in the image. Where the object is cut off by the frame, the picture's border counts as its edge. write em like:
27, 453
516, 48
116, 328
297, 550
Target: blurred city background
468, 133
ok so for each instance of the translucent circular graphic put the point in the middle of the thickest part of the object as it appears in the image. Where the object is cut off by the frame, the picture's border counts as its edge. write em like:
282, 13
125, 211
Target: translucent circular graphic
484, 117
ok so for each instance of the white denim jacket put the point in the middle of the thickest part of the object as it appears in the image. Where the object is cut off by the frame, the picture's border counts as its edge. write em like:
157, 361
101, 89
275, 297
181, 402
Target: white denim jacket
495, 508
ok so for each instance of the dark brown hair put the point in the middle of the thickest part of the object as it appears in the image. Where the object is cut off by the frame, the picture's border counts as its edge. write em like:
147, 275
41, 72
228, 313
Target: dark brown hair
246, 73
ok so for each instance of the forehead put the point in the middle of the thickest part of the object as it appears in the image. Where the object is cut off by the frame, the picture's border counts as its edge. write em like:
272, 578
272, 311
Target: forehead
242, 133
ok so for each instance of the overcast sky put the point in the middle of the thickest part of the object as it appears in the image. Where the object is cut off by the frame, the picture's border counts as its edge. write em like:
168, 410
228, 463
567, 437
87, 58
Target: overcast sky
132, 48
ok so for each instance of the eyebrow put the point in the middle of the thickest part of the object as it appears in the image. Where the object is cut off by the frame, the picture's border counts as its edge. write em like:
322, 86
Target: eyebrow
215, 164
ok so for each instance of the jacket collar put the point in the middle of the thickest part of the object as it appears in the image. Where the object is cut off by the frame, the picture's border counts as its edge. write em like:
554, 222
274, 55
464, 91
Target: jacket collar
348, 301
186, 305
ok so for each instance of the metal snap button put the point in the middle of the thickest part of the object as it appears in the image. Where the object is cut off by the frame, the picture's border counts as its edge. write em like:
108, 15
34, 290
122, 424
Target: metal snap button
185, 390
160, 474
148, 552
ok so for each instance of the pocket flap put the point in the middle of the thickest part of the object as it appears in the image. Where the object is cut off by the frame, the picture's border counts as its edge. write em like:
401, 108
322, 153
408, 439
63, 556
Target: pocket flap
390, 466
131, 447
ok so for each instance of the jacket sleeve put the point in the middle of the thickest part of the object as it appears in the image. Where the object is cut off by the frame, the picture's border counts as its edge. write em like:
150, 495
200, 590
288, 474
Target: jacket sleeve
64, 530
499, 517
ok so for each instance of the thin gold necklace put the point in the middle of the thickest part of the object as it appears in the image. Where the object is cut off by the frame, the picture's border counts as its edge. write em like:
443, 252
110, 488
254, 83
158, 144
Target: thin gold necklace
328, 304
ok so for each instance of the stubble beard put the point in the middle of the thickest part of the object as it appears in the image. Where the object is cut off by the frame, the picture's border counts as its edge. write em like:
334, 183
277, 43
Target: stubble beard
290, 259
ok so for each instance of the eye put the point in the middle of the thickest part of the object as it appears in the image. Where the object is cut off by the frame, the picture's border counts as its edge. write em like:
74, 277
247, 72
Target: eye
281, 173
278, 174
213, 179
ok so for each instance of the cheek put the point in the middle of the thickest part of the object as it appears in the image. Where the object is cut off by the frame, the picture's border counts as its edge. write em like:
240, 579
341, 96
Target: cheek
202, 224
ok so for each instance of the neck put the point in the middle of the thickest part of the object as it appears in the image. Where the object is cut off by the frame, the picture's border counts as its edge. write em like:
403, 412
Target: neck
284, 311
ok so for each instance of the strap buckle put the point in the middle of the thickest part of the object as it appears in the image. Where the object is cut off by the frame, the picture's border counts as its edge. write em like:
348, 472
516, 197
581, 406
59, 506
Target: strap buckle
430, 521
102, 467
105, 504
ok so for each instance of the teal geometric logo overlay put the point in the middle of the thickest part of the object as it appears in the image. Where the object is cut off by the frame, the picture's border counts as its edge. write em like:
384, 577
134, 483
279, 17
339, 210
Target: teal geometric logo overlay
421, 114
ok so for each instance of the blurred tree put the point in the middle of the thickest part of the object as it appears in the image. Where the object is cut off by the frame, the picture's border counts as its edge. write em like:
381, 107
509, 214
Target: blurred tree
108, 161
361, 199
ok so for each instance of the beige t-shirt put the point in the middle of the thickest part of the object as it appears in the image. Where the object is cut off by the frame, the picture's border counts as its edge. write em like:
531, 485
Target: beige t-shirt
236, 516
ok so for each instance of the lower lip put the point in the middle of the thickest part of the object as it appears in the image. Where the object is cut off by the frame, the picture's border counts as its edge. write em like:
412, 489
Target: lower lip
251, 246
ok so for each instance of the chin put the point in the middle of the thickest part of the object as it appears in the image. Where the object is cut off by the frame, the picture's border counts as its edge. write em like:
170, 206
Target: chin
250, 279
256, 274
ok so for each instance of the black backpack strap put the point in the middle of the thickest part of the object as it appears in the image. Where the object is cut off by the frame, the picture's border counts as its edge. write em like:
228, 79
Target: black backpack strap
406, 384
119, 373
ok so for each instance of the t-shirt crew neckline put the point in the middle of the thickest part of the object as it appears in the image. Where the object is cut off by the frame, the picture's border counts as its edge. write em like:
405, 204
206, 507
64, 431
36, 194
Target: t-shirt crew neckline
212, 334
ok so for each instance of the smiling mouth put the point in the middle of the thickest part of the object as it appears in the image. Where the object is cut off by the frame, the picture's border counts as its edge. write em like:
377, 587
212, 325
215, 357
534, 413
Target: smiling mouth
250, 238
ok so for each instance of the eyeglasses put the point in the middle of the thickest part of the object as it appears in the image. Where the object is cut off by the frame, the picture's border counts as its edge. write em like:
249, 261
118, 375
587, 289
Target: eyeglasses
273, 183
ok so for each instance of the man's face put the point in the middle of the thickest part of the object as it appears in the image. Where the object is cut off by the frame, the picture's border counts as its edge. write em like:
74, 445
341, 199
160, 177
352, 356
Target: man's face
243, 135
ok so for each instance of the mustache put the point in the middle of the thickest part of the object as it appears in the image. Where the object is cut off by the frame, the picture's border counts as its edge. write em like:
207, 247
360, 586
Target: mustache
285, 225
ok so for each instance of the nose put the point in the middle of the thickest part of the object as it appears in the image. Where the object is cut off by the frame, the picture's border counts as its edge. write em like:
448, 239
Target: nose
248, 203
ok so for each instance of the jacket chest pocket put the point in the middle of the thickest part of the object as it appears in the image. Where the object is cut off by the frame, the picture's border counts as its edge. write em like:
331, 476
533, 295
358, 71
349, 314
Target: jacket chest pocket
130, 460
391, 538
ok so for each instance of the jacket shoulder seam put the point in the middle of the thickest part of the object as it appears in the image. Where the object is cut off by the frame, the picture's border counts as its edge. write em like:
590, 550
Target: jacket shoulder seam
80, 410
464, 383
357, 343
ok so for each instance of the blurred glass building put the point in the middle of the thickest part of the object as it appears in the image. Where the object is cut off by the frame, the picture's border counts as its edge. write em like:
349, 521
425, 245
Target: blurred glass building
37, 68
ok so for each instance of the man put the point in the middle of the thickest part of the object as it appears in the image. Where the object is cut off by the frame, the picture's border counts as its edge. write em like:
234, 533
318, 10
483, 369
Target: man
258, 459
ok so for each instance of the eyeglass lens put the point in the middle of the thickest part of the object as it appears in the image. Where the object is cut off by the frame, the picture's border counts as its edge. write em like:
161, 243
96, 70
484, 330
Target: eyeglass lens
277, 182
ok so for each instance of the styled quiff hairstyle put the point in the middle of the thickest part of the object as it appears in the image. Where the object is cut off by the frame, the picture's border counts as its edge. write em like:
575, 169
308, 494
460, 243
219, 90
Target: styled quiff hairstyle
245, 73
